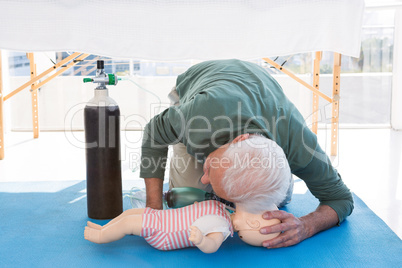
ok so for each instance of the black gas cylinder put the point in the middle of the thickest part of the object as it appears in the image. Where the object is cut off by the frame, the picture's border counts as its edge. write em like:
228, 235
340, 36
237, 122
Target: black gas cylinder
103, 162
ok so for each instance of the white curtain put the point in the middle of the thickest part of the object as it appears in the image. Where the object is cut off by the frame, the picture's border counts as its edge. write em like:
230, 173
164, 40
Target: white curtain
182, 29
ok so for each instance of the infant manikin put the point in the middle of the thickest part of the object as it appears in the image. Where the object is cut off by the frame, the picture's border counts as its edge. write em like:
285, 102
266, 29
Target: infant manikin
204, 225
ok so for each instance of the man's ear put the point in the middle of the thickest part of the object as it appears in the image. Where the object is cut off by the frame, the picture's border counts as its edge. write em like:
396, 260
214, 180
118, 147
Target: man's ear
254, 224
241, 137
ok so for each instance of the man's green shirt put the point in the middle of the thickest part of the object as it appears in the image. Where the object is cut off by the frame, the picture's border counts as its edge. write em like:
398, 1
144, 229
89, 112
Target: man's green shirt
220, 100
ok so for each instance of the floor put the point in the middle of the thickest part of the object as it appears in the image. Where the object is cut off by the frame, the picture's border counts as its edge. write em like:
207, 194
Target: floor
370, 161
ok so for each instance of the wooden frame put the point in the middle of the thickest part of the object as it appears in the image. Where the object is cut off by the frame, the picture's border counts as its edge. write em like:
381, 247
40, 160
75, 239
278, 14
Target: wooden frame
34, 96
335, 104
316, 94
35, 84
74, 58
316, 84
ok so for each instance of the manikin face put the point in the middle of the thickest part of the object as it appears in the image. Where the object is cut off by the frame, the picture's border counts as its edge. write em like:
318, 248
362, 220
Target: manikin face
248, 226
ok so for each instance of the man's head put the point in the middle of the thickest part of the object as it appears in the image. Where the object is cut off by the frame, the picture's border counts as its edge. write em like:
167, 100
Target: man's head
251, 171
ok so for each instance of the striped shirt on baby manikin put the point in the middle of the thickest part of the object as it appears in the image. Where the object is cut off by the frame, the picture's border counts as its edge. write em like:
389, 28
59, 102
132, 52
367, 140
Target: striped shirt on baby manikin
170, 229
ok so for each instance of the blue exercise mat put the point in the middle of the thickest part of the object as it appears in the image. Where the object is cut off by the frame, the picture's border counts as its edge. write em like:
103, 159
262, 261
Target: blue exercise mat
45, 229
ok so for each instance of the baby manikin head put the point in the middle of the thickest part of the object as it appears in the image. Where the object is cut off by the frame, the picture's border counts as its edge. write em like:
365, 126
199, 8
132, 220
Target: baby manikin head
248, 226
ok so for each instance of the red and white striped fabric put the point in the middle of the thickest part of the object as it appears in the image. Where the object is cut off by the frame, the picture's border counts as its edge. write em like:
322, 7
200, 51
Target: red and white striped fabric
170, 229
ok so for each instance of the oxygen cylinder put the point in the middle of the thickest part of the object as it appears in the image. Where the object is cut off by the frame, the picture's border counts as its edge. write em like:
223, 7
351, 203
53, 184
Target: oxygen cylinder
102, 139
184, 196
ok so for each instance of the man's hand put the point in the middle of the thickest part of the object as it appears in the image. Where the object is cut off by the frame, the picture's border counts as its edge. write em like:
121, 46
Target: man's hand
294, 230
154, 187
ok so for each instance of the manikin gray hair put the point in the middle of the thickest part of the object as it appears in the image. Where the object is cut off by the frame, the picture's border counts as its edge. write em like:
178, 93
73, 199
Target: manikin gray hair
258, 176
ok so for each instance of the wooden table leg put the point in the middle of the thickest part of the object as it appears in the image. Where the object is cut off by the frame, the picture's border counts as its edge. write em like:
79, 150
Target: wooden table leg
316, 84
34, 96
335, 103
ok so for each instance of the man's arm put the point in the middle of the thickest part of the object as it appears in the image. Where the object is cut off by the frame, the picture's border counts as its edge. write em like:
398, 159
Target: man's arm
336, 203
321, 178
295, 230
158, 134
154, 187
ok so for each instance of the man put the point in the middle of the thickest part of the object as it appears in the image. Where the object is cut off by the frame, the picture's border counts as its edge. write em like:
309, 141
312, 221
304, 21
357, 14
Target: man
226, 103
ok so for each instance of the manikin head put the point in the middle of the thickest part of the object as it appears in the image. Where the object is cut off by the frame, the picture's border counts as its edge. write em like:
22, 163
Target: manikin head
248, 226
251, 171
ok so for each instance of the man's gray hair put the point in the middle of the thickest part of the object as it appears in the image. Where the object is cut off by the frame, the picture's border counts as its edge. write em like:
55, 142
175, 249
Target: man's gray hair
258, 176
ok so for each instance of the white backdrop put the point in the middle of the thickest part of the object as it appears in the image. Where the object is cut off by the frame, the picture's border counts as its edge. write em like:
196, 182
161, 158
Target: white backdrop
182, 29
